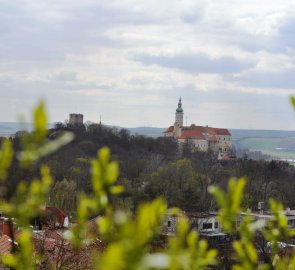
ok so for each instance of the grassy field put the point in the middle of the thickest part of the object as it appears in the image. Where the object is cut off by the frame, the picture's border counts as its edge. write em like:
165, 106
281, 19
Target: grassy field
259, 143
282, 147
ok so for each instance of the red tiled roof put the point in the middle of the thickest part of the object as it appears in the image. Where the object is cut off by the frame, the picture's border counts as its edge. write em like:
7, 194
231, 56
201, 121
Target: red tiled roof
198, 128
192, 134
58, 213
51, 242
222, 131
5, 244
169, 129
217, 131
211, 130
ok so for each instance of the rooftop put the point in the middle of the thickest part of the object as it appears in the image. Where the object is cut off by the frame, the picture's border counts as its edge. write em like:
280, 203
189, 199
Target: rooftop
192, 134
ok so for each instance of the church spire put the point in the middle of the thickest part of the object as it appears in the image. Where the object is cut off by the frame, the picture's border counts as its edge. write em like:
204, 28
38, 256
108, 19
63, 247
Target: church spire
179, 108
179, 114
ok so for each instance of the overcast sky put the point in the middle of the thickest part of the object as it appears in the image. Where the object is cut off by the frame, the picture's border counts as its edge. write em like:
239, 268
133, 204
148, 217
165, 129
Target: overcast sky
231, 61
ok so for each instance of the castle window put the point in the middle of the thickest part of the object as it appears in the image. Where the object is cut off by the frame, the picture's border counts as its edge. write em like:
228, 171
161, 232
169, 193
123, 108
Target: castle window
169, 223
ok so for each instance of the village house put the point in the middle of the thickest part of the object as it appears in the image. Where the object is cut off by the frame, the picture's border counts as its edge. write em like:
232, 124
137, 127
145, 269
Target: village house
8, 235
286, 247
217, 140
206, 224
9, 231
265, 215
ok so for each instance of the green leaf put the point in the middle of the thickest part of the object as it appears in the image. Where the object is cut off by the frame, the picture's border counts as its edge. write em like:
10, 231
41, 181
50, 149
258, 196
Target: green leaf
292, 99
40, 122
6, 155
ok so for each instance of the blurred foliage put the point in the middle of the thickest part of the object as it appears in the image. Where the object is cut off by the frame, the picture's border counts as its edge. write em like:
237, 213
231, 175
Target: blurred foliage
129, 236
30, 198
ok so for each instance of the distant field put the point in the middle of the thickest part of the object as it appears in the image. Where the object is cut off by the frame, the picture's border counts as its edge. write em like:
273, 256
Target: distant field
280, 147
8, 129
258, 143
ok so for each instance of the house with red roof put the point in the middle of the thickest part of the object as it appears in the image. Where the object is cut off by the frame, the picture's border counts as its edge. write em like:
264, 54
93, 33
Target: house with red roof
8, 236
59, 217
200, 138
194, 137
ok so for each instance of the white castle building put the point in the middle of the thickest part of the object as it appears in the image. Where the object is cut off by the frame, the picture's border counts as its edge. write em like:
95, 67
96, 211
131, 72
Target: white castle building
201, 138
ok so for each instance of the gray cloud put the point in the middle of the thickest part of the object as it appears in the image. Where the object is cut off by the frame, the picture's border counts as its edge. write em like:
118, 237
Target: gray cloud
192, 16
282, 40
280, 79
26, 36
66, 76
90, 52
196, 63
286, 36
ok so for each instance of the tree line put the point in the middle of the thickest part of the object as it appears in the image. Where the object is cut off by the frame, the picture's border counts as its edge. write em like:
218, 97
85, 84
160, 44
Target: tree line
149, 168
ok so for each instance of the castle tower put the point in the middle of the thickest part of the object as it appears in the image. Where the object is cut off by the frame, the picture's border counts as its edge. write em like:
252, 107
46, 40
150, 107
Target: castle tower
178, 120
76, 119
179, 114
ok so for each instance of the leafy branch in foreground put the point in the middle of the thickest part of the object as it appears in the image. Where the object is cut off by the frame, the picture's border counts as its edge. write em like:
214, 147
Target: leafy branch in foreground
274, 230
29, 199
129, 237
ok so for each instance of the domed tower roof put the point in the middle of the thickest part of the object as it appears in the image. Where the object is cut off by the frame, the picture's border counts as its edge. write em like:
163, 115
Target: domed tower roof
179, 108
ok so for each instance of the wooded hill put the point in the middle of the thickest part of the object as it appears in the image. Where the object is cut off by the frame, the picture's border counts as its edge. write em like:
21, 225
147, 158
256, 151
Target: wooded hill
152, 167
